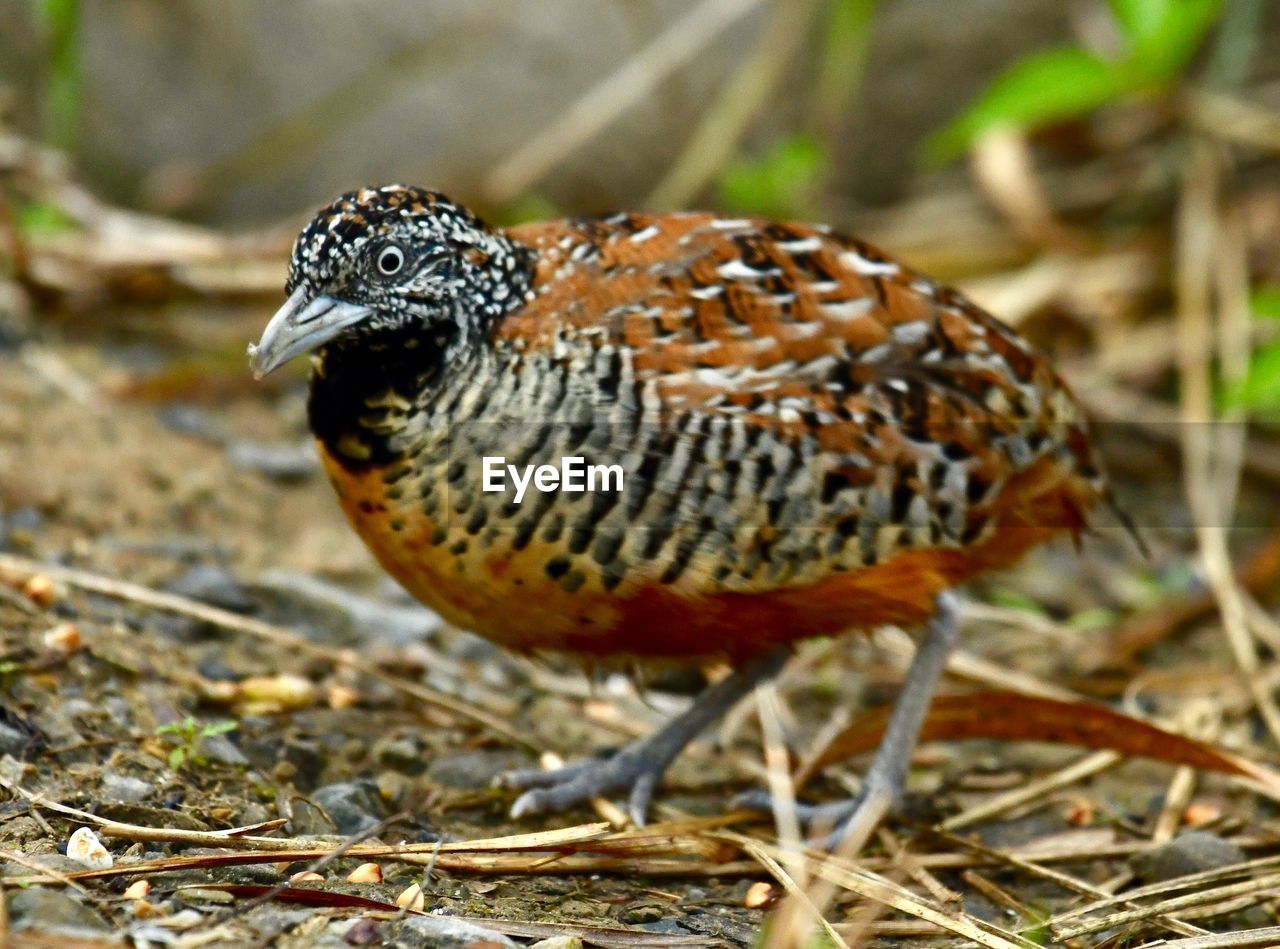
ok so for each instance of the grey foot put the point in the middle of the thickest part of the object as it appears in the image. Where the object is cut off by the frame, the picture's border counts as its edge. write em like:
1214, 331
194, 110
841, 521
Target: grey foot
848, 823
635, 768
639, 766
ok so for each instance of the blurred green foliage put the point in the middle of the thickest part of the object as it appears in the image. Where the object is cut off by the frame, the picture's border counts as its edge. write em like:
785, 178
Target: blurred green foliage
783, 183
60, 20
1159, 39
188, 737
1259, 391
786, 180
846, 36
41, 218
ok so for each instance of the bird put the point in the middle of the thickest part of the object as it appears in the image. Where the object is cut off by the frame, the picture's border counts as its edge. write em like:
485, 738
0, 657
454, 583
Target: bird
809, 438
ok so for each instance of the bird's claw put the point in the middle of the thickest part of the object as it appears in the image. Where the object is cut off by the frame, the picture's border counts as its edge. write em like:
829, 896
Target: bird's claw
830, 825
562, 788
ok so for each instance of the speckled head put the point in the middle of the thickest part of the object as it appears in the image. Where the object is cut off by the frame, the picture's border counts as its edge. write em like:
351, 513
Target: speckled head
380, 259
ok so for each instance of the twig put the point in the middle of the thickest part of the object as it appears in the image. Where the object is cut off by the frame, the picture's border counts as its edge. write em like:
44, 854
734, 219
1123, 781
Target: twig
1231, 120
1034, 790
1189, 901
796, 891
1194, 269
1069, 883
777, 773
680, 42
315, 866
872, 886
1268, 936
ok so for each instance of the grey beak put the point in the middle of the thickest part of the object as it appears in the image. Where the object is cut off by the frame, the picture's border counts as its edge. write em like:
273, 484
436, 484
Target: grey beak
300, 326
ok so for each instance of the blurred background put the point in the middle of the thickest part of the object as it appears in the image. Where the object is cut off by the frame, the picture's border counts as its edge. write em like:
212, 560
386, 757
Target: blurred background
1103, 174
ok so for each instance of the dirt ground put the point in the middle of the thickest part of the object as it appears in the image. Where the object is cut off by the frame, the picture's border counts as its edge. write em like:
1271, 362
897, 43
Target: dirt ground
147, 455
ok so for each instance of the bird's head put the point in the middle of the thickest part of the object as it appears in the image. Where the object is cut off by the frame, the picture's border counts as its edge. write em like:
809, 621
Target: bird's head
383, 259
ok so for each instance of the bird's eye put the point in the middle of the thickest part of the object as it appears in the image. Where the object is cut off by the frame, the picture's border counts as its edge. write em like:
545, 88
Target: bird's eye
390, 260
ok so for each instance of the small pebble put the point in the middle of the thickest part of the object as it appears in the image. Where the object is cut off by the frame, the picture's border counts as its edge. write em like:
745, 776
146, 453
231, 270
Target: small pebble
306, 876
343, 696
63, 638
53, 914
137, 890
264, 695
760, 895
412, 899
365, 873
1192, 852
216, 586
280, 461
85, 848
40, 590
355, 806
1200, 813
145, 909
124, 788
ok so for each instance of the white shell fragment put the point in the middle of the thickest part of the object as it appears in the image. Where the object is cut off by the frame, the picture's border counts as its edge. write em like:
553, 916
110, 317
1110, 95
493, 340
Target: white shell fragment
85, 848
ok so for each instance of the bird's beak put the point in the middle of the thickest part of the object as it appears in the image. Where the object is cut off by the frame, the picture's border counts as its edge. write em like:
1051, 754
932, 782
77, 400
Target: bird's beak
302, 324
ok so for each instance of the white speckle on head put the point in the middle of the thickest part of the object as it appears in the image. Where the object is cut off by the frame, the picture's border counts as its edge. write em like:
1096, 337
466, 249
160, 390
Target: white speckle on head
639, 237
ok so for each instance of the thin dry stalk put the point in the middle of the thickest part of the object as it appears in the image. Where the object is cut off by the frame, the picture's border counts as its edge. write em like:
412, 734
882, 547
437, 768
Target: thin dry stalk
777, 771
1234, 121
794, 889
1034, 790
1173, 905
911, 867
716, 139
1190, 881
1194, 280
1003, 166
997, 894
965, 665
1268, 936
1067, 882
872, 886
680, 42
1200, 721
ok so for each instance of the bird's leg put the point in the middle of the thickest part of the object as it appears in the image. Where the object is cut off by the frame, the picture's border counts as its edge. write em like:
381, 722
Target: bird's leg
640, 765
849, 823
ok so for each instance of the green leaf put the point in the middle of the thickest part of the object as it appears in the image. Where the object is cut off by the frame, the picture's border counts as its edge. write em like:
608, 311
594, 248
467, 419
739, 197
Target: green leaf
1088, 620
177, 757
218, 728
1265, 303
1012, 599
1139, 18
842, 57
41, 218
1161, 55
1046, 87
1259, 391
782, 184
61, 21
